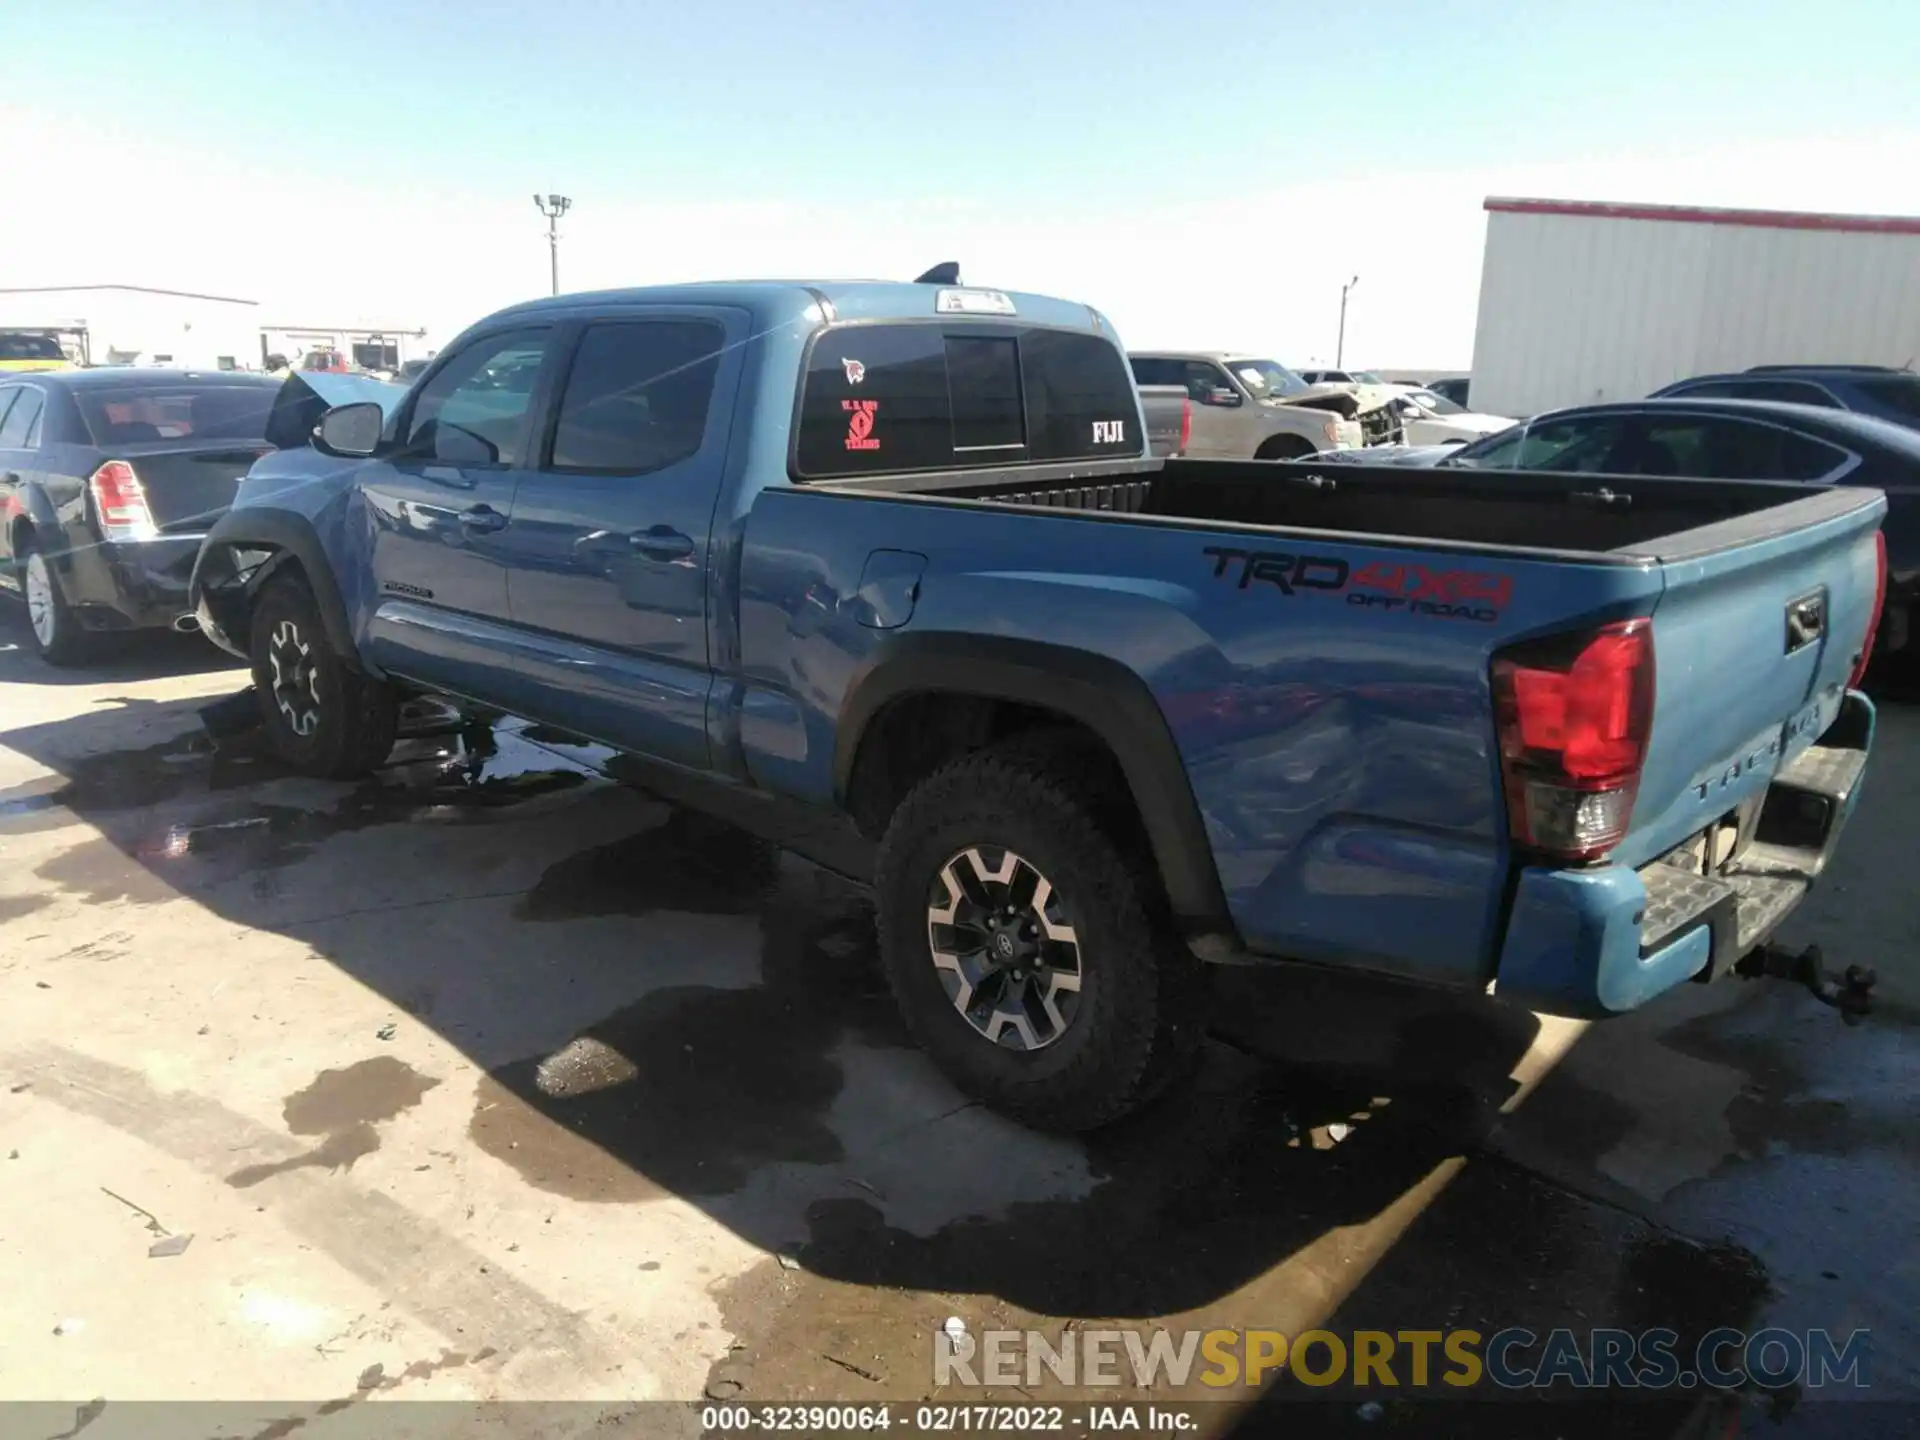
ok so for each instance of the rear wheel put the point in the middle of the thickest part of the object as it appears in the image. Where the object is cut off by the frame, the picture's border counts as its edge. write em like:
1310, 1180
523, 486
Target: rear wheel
322, 715
1024, 947
55, 630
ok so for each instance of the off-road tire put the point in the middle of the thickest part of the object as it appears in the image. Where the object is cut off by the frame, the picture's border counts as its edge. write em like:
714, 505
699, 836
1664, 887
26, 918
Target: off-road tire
1141, 1009
348, 728
67, 644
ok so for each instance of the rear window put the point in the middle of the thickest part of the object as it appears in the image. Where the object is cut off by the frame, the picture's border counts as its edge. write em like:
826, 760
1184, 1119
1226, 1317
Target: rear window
176, 412
30, 347
931, 397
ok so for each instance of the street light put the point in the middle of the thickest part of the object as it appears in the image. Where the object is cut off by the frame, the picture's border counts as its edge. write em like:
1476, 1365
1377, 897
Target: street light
553, 207
1340, 345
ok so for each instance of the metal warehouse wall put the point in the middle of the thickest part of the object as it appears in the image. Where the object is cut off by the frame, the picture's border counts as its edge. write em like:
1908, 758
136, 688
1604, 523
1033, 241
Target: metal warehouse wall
1577, 308
196, 330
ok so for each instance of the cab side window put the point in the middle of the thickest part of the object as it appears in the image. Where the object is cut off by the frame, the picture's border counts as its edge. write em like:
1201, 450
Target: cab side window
474, 411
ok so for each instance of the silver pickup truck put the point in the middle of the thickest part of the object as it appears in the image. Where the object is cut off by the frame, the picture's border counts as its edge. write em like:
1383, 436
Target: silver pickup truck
1215, 404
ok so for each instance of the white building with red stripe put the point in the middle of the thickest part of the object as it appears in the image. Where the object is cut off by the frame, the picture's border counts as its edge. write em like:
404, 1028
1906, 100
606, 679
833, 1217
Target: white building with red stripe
1583, 301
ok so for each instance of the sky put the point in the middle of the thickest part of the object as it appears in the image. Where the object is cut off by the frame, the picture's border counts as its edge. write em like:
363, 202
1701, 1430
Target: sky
1208, 175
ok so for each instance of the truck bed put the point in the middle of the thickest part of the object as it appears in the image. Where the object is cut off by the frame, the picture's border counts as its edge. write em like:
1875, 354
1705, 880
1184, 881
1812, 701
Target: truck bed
1628, 519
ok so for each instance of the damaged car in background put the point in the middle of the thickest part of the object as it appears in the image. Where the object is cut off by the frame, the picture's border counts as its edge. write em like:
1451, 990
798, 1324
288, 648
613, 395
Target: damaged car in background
1219, 405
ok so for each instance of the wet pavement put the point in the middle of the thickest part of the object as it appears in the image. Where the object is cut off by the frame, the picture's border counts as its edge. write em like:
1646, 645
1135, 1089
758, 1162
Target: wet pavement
504, 1078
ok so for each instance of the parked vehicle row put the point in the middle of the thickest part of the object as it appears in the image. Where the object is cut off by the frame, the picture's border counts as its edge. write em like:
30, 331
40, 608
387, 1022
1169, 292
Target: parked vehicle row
1221, 405
895, 559
1695, 428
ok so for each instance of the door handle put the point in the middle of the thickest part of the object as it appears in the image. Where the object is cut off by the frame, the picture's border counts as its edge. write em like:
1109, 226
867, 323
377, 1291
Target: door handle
661, 542
482, 520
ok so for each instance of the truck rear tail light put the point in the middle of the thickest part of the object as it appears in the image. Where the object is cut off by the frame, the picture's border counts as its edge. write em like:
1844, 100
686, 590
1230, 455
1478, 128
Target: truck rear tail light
121, 503
1186, 423
1573, 714
1879, 605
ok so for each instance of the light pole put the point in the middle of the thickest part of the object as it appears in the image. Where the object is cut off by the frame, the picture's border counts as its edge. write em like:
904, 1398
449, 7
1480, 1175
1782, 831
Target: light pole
1340, 345
553, 207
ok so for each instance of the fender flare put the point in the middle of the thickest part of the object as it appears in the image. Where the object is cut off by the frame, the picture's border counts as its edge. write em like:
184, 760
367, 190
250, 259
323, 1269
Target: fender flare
293, 535
1095, 690
32, 505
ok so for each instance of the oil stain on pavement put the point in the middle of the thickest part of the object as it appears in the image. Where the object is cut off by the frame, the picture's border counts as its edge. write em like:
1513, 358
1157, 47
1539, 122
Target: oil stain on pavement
345, 1106
147, 854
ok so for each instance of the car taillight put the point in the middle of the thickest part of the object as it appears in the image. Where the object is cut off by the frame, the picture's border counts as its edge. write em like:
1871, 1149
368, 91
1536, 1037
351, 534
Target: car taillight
1573, 714
1186, 423
120, 503
1879, 604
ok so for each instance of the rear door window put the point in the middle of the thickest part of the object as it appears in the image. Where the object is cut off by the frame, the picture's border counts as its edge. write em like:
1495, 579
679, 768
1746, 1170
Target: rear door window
637, 395
20, 429
1719, 448
926, 396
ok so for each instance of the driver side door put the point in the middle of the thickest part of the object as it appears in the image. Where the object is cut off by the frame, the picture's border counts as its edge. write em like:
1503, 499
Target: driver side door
440, 503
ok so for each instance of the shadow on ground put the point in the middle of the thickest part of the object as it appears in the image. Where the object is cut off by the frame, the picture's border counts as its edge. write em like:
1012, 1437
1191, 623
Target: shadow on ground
710, 1023
145, 655
666, 1004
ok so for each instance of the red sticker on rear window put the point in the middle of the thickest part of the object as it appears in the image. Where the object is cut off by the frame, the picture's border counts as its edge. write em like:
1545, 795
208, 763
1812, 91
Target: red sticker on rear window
860, 434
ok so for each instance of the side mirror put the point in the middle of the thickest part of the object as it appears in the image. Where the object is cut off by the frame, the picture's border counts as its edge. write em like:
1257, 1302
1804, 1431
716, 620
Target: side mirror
351, 431
1224, 396
1407, 410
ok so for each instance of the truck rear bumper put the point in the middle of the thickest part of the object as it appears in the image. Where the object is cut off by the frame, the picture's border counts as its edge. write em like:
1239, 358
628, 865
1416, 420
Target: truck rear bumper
1601, 941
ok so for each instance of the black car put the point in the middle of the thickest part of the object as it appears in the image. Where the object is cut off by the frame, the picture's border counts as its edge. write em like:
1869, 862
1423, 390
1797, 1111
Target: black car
1876, 390
108, 479
1711, 439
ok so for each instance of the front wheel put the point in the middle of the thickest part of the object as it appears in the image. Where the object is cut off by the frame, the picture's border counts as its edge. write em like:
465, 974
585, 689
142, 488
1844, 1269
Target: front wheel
1024, 949
321, 714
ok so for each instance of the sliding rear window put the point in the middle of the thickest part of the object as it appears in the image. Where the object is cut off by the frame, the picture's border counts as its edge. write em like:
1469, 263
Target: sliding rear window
933, 396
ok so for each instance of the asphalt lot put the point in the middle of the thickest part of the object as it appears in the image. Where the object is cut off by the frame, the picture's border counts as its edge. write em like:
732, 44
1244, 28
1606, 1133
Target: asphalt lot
494, 1079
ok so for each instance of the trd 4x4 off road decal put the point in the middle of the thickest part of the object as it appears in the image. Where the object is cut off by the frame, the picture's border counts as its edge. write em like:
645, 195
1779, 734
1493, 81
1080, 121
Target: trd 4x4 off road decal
1379, 585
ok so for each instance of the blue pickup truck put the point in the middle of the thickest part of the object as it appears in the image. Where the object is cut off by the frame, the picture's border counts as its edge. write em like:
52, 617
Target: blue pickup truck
895, 557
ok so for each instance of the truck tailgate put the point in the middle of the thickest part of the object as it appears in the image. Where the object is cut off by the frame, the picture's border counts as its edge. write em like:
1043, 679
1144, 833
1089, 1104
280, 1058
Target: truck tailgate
1757, 630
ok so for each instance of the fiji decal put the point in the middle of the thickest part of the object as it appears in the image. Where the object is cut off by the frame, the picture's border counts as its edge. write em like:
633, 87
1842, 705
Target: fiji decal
1379, 585
860, 415
1109, 432
856, 372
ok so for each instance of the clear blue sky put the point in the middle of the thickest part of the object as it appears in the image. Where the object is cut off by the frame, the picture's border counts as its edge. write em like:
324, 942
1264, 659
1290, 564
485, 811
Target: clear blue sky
1041, 104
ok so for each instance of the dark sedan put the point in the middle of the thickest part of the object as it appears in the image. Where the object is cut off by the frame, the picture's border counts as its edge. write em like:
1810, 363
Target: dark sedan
1716, 439
108, 480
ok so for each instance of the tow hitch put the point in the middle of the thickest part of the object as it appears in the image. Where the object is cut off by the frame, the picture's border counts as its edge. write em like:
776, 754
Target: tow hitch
1851, 993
